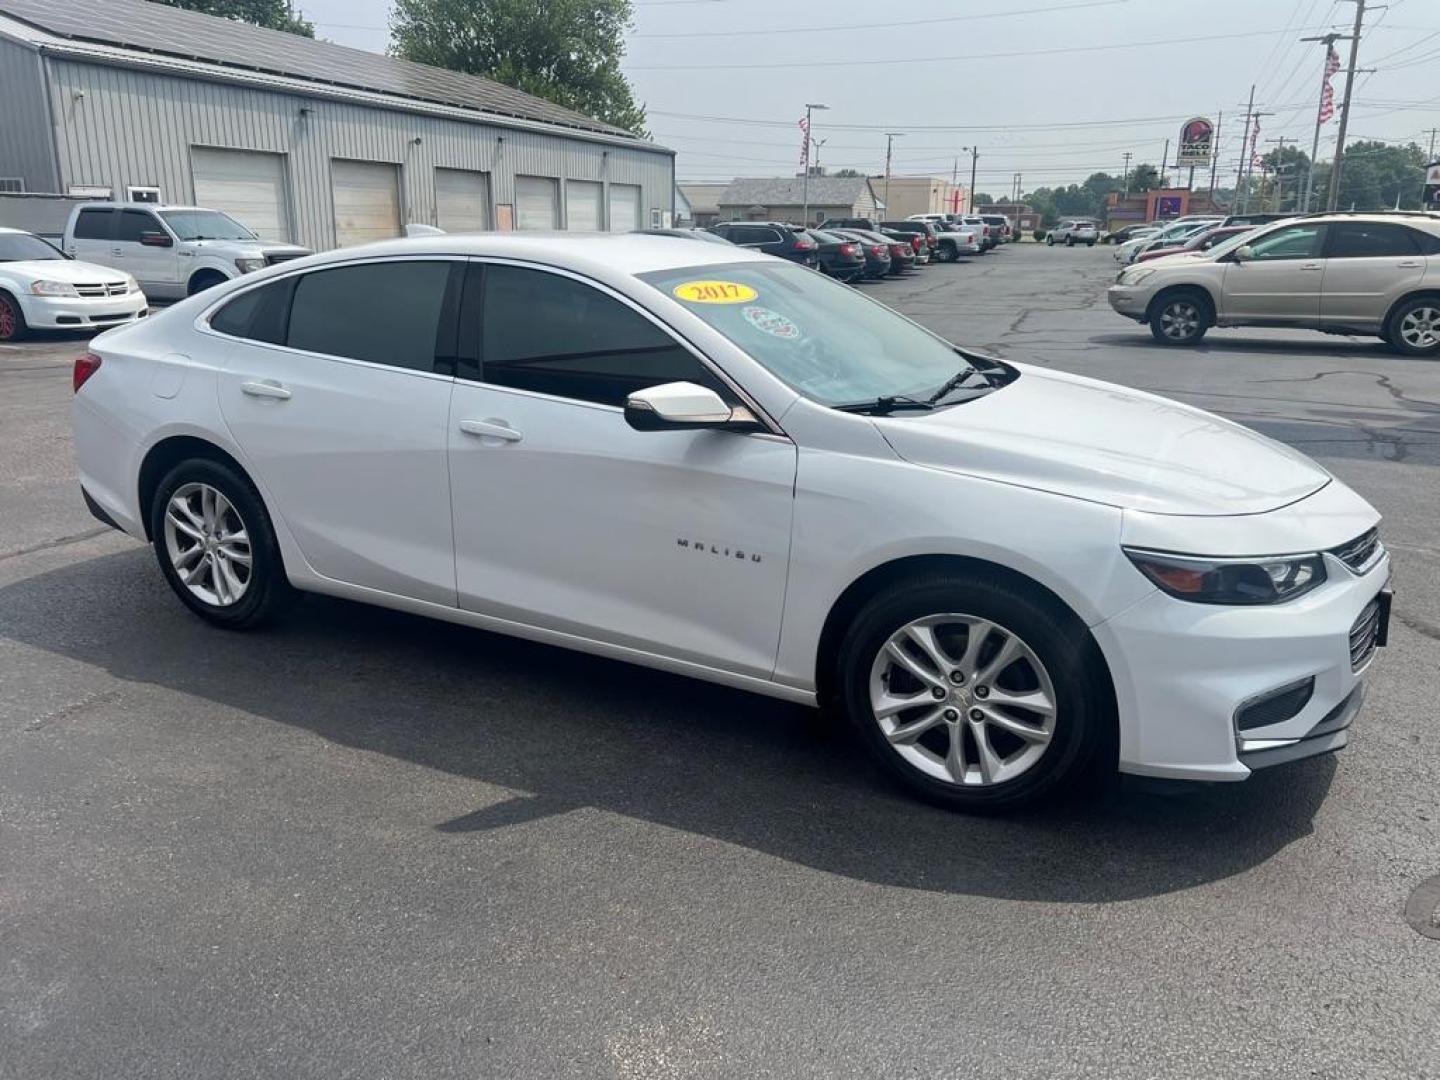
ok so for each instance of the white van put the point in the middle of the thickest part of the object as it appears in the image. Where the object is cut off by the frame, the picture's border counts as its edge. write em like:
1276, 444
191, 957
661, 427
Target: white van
172, 251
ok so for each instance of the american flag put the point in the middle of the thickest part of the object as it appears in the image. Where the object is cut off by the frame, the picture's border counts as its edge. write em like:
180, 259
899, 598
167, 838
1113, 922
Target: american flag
1255, 161
1327, 92
804, 143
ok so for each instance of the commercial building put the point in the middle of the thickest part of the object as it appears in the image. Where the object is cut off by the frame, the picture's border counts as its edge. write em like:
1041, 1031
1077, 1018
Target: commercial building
704, 202
784, 199
300, 140
906, 195
1157, 205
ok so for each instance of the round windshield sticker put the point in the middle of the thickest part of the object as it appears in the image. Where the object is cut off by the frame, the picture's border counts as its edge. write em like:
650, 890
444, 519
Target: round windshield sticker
714, 292
772, 323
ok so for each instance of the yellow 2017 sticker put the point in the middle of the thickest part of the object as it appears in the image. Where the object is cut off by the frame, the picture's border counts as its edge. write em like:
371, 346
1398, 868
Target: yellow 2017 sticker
714, 292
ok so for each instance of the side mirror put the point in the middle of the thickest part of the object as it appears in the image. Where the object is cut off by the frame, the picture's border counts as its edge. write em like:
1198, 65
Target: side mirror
677, 406
156, 239
1244, 252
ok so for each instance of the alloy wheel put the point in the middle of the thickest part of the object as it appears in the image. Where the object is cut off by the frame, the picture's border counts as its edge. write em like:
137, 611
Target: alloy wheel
1179, 320
208, 544
1420, 328
8, 321
963, 700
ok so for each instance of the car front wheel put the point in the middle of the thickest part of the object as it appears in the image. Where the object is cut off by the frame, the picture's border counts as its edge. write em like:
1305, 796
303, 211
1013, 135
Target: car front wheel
216, 546
1179, 318
12, 319
973, 694
1415, 327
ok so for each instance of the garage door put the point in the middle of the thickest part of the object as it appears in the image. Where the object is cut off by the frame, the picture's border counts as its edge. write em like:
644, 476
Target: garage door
367, 201
247, 185
462, 200
537, 203
583, 199
624, 207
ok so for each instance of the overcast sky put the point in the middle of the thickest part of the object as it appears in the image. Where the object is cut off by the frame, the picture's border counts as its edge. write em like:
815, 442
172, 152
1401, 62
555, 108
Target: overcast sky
1083, 81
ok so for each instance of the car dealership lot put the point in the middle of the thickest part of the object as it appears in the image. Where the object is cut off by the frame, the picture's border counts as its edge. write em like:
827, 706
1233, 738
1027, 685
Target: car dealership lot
365, 844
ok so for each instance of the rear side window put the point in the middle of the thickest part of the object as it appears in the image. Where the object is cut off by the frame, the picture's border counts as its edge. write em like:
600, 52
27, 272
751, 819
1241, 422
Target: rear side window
258, 315
1370, 239
554, 335
94, 224
384, 313
134, 222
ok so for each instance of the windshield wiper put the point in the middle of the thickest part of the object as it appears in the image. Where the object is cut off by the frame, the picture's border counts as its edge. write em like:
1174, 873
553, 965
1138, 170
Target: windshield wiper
883, 406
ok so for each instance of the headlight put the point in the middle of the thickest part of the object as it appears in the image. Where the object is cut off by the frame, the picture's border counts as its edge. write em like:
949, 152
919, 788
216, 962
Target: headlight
1231, 581
1137, 275
131, 285
53, 288
249, 266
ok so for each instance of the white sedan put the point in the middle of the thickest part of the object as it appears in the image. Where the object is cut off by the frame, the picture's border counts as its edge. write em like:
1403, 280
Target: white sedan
42, 288
714, 462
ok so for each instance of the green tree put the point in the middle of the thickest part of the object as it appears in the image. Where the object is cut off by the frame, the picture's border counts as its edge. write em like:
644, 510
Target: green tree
1144, 178
982, 199
1375, 175
848, 173
566, 51
274, 14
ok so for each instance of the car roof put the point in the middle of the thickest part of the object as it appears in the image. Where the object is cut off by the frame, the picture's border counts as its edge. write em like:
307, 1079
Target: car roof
599, 254
109, 204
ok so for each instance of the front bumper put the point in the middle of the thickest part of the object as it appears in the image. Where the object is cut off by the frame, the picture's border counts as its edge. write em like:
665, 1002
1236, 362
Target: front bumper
82, 312
1186, 673
1129, 300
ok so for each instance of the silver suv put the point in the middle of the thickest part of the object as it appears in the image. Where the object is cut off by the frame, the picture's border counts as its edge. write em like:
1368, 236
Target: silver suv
1337, 273
1071, 233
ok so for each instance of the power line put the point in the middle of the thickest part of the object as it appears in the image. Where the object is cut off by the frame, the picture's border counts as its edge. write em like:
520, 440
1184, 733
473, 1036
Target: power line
883, 25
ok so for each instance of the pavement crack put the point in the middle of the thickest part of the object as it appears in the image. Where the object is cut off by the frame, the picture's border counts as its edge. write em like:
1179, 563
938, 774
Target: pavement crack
48, 544
1383, 381
1423, 627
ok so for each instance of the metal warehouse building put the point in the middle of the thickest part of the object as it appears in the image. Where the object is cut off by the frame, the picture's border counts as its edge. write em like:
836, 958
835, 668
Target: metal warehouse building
300, 140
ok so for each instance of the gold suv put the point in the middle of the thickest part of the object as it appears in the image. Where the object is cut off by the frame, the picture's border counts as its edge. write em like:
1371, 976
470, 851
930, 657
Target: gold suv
1337, 273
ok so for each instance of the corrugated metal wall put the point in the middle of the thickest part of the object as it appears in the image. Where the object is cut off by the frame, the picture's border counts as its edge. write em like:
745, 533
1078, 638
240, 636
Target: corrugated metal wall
119, 127
26, 148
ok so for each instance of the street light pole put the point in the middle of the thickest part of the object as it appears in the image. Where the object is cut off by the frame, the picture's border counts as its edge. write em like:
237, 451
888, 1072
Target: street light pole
974, 152
805, 183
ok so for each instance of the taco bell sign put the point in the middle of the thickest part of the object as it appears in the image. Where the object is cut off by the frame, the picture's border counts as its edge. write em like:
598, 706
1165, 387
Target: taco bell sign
1197, 142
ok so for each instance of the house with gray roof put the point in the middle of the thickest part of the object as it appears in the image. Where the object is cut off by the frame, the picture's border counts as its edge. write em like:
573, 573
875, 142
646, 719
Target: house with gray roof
300, 140
784, 199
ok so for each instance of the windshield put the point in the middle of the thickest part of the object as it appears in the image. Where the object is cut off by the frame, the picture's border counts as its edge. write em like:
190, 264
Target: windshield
24, 246
821, 338
205, 225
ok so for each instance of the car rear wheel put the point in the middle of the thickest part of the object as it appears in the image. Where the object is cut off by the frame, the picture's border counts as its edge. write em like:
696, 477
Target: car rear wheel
1050, 241
1180, 318
216, 546
972, 694
12, 319
1415, 327
948, 253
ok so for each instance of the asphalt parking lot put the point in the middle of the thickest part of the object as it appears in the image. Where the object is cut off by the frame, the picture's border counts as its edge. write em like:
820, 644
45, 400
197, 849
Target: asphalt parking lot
366, 845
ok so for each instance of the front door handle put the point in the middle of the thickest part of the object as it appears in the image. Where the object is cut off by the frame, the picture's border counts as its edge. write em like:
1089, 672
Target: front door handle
490, 429
1311, 266
266, 388
1409, 264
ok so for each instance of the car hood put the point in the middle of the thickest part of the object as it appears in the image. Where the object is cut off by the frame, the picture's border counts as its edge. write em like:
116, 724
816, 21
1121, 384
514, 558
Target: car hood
67, 270
1108, 444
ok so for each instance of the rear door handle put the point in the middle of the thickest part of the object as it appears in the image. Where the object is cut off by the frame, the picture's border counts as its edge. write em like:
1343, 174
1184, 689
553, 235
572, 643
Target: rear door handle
490, 429
1311, 266
266, 388
1409, 264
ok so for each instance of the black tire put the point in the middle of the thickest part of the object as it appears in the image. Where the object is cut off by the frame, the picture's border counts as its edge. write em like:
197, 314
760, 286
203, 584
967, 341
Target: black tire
1084, 725
205, 279
1422, 312
1090, 243
267, 591
1180, 317
1049, 241
12, 319
1069, 241
948, 253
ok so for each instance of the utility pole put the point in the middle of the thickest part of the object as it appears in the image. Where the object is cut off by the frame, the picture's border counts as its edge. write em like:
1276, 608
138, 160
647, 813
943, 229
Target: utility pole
1215, 154
890, 137
1164, 157
1345, 107
805, 183
1279, 167
1127, 156
1328, 40
1244, 153
818, 143
974, 152
1430, 156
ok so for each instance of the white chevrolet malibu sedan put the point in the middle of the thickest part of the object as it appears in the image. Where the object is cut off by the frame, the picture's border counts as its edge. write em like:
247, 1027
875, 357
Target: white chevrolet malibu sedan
717, 463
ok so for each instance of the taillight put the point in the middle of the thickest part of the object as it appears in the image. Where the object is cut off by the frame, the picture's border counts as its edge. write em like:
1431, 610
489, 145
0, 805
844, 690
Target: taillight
804, 245
85, 366
847, 249
877, 250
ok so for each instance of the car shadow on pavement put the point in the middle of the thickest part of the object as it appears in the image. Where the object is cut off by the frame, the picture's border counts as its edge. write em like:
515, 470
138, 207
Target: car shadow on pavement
1225, 341
568, 731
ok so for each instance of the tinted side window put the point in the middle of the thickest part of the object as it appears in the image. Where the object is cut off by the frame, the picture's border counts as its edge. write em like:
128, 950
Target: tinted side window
555, 335
1370, 239
1296, 242
93, 224
386, 313
259, 315
1429, 242
134, 222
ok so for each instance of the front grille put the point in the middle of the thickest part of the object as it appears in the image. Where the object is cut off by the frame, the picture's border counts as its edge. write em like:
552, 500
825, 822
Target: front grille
1364, 635
103, 288
274, 257
1362, 553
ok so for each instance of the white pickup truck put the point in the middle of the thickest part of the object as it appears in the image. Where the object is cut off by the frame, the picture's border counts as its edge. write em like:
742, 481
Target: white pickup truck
172, 251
